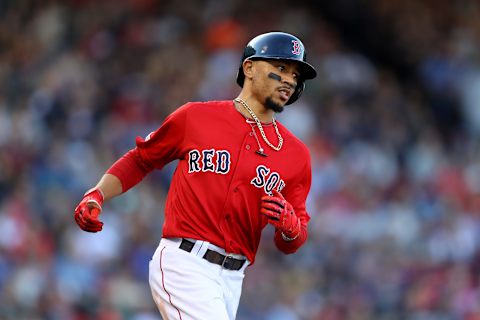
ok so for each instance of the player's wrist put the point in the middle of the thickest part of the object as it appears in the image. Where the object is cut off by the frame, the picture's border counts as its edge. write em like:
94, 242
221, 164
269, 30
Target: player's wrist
94, 196
288, 239
292, 233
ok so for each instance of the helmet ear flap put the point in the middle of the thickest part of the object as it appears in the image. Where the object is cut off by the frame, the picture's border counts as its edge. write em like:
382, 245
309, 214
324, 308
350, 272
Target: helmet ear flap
247, 52
240, 76
297, 93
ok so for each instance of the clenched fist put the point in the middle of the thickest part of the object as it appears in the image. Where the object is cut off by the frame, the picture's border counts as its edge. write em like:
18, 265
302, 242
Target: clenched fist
87, 211
280, 214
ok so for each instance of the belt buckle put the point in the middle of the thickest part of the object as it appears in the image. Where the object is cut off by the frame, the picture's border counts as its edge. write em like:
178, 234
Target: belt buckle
228, 261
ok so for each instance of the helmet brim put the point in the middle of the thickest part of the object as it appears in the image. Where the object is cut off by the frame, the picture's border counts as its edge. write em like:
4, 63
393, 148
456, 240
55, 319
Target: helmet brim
307, 71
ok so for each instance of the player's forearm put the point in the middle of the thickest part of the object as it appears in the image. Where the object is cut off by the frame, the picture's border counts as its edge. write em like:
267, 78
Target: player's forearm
129, 170
110, 186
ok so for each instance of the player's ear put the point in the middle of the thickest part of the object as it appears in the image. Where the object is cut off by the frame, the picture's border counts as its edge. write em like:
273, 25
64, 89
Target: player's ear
248, 69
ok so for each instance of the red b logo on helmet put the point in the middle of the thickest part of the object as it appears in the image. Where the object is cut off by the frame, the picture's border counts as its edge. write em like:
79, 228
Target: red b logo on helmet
297, 47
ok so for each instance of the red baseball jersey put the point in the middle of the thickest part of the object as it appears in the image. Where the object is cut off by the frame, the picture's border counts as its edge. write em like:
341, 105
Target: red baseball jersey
216, 188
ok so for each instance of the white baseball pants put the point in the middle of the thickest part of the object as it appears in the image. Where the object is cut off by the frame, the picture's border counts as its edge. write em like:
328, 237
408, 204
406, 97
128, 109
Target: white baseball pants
185, 286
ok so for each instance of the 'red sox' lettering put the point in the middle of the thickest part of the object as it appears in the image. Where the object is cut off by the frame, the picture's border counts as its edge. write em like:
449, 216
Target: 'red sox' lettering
268, 181
212, 160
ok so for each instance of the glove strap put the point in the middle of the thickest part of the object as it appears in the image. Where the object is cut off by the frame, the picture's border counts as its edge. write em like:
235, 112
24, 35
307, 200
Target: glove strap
284, 237
288, 239
94, 195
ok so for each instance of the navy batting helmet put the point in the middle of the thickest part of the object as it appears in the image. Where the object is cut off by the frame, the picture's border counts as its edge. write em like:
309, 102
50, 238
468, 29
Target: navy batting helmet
280, 46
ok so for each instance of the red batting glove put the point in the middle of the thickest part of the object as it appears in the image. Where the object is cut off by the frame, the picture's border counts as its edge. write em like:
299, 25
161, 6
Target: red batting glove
281, 215
87, 211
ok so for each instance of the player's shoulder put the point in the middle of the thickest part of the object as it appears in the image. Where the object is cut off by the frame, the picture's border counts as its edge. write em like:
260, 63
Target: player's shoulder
191, 110
297, 145
205, 105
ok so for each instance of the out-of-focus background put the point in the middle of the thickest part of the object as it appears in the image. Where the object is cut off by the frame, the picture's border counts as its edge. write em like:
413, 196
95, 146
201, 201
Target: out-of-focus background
392, 121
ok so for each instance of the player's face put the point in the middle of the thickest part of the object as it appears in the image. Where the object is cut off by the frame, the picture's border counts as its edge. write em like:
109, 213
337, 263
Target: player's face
276, 81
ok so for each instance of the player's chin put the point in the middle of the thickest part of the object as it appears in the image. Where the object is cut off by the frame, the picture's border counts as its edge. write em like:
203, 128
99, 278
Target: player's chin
277, 105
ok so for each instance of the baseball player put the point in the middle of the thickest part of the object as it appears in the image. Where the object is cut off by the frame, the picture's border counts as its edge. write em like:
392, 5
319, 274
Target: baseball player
239, 169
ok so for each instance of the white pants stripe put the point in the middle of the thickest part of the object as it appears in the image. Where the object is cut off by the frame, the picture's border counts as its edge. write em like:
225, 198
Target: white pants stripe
187, 287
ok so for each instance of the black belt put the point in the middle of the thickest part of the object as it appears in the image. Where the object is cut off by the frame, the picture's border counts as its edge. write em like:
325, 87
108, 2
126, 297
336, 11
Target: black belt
228, 262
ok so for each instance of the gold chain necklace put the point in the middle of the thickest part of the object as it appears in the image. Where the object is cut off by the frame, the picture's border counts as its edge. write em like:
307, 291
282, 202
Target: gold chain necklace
260, 149
260, 127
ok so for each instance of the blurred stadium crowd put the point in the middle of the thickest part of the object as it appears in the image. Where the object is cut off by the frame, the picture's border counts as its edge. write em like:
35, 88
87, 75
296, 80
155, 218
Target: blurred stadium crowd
393, 124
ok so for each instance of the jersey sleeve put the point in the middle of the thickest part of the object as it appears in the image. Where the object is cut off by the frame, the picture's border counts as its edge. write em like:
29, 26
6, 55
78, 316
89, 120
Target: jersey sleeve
129, 169
167, 142
297, 196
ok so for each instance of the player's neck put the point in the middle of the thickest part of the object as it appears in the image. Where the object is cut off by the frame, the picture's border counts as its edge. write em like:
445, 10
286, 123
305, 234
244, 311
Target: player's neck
263, 114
